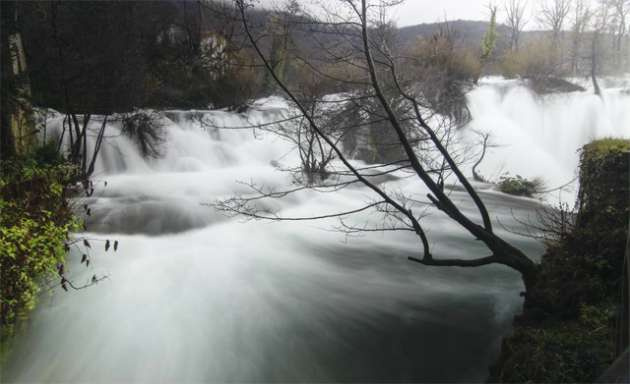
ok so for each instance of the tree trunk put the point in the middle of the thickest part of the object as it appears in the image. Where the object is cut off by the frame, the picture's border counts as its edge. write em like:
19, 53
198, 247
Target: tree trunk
7, 144
18, 131
594, 47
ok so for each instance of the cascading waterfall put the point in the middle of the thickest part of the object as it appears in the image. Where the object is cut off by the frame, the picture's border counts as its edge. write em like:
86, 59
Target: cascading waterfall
194, 295
540, 136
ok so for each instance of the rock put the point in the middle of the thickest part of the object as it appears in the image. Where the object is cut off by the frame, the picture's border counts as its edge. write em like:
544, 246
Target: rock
544, 85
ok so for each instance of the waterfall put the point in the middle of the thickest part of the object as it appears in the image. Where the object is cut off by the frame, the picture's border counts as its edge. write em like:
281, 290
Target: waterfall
195, 295
540, 136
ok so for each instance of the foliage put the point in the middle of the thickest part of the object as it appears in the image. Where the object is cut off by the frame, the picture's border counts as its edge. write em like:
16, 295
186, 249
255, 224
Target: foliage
490, 38
572, 314
602, 221
145, 128
561, 352
88, 56
446, 71
605, 147
185, 80
35, 223
441, 51
533, 60
106, 57
594, 246
46, 154
520, 186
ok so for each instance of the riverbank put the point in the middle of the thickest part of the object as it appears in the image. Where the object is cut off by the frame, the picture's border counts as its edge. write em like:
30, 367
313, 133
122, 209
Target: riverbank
574, 324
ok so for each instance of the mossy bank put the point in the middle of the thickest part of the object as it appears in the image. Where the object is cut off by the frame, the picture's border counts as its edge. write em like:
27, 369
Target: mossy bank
574, 323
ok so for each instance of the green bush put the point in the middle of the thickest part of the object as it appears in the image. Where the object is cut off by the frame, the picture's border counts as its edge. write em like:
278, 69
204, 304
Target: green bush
35, 221
562, 352
520, 186
570, 330
534, 60
47, 154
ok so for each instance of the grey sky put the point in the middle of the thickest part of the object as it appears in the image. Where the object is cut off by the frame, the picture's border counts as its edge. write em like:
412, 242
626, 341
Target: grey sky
413, 12
426, 11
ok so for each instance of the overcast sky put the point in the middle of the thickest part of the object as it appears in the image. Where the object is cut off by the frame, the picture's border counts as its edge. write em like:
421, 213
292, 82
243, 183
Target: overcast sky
427, 11
413, 12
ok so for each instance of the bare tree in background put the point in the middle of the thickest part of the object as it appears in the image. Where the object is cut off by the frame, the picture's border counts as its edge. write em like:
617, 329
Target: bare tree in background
553, 15
601, 23
582, 15
315, 156
621, 9
383, 79
515, 20
485, 143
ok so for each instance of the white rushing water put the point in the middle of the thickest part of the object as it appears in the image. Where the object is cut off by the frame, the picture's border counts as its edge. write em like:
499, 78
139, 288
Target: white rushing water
193, 295
540, 136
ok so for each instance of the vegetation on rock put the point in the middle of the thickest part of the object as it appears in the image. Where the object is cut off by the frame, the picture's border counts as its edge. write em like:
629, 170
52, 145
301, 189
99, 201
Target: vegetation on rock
561, 352
35, 224
574, 322
520, 186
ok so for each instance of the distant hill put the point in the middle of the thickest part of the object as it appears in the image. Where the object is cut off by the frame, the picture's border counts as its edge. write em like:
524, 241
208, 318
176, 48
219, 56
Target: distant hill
308, 34
467, 32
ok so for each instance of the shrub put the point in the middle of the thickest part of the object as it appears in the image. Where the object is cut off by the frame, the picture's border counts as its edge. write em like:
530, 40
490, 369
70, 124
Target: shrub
47, 154
520, 186
572, 327
146, 130
34, 224
441, 53
534, 60
444, 71
562, 352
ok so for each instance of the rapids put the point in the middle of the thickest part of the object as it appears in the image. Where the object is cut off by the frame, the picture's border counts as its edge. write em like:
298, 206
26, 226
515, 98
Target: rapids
194, 295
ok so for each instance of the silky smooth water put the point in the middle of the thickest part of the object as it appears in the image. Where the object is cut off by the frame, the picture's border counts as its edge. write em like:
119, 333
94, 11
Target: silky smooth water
194, 295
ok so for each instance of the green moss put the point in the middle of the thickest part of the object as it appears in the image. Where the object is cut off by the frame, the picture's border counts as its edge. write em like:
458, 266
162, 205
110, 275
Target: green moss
35, 221
561, 351
606, 146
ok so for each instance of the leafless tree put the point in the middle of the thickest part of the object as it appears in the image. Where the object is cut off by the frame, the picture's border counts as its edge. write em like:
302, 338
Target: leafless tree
621, 12
383, 78
515, 20
78, 151
145, 129
484, 143
601, 23
582, 15
315, 155
550, 224
553, 15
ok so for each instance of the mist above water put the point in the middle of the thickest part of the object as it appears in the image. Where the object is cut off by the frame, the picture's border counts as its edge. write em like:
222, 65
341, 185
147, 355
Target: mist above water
193, 295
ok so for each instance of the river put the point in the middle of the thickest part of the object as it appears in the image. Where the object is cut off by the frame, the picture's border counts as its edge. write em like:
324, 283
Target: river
193, 295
